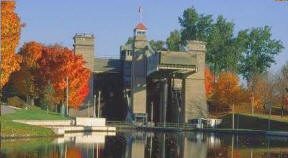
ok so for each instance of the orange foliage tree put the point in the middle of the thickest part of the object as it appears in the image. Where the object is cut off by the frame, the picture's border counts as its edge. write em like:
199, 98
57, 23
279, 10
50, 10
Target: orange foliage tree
25, 80
58, 63
256, 91
10, 34
227, 90
73, 152
30, 53
209, 82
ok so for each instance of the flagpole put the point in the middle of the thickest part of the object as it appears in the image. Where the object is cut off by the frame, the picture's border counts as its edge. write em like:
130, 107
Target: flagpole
140, 14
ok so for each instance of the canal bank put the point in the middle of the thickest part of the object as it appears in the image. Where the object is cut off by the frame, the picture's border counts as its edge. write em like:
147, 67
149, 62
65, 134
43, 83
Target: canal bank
11, 129
34, 122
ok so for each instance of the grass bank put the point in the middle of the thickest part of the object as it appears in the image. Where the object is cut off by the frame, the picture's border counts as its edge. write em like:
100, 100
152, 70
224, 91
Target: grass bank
27, 145
12, 129
255, 122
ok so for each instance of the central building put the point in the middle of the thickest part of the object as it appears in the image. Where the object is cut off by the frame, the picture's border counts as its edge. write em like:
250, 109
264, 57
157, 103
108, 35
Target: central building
144, 84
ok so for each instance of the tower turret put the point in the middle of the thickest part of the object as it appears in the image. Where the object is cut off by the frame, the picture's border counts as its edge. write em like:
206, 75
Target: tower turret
140, 39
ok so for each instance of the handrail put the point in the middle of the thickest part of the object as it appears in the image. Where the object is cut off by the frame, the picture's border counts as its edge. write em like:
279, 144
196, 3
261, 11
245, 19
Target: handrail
157, 125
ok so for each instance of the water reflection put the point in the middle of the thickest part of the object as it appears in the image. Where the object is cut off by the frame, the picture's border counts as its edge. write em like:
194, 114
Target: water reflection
151, 145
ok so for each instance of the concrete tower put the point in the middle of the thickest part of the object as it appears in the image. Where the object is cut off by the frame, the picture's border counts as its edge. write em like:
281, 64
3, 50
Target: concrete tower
139, 72
194, 96
84, 45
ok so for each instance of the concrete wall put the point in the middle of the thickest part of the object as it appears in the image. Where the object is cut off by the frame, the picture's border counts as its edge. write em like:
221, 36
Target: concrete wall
86, 121
138, 150
84, 45
193, 91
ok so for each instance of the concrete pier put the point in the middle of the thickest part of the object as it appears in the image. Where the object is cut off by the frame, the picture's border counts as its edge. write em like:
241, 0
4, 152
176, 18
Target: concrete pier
81, 124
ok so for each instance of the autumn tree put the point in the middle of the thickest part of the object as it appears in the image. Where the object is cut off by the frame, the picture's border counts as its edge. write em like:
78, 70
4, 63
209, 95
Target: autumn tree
209, 82
10, 35
73, 152
59, 63
25, 80
281, 85
227, 90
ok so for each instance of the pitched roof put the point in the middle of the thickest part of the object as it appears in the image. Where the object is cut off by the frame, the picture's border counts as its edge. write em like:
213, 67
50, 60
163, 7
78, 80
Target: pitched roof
141, 26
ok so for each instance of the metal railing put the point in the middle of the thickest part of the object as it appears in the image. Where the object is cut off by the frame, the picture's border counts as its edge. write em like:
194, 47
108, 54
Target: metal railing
125, 124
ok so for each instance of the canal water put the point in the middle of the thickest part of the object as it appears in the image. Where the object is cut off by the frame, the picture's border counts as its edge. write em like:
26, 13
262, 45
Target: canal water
146, 145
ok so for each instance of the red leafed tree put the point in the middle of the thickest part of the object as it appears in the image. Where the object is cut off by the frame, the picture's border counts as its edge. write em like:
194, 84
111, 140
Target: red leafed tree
58, 63
209, 82
10, 35
73, 152
24, 80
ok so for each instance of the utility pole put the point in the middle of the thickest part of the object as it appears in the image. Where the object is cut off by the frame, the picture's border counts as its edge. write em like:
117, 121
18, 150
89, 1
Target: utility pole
94, 104
152, 114
99, 104
233, 116
67, 95
269, 121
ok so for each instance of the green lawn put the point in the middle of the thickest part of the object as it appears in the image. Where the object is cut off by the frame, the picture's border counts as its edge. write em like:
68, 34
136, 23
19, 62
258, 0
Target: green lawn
255, 122
13, 129
33, 113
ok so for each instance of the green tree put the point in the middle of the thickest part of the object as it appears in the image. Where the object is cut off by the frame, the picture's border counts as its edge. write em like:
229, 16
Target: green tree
195, 26
223, 50
130, 40
174, 41
47, 99
259, 51
157, 45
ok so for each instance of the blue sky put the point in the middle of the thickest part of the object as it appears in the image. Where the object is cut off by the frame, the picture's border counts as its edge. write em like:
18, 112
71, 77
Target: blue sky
112, 22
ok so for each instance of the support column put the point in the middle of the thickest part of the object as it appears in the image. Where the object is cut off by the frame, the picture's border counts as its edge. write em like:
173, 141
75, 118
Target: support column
163, 145
163, 101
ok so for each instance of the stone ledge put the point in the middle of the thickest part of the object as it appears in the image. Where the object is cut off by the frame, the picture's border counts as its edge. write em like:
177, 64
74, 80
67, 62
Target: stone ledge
47, 122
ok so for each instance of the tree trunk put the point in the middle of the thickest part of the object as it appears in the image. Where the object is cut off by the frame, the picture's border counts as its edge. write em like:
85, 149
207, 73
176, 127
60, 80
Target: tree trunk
0, 115
32, 101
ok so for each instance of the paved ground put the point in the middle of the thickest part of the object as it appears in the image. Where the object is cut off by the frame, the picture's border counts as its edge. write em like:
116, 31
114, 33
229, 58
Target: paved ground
7, 110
